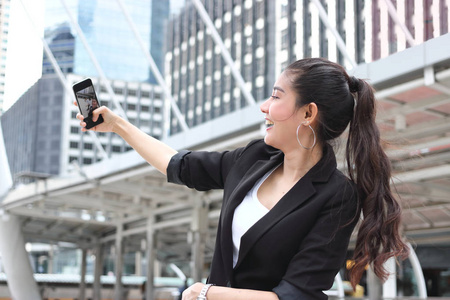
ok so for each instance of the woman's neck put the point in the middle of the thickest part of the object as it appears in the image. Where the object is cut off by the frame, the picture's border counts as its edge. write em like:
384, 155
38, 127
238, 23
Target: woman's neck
299, 161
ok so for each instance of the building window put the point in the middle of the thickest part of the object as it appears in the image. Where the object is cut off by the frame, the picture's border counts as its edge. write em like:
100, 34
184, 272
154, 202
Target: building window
87, 161
145, 108
88, 146
118, 91
72, 158
74, 115
284, 39
131, 106
131, 92
115, 148
74, 129
73, 145
145, 94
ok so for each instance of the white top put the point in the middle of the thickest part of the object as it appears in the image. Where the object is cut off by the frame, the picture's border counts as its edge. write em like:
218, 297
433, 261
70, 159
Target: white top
247, 214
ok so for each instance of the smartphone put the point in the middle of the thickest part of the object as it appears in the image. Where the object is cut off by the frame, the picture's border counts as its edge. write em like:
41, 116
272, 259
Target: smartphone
87, 101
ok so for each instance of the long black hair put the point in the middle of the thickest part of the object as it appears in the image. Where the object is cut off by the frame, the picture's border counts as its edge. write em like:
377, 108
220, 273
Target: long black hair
342, 100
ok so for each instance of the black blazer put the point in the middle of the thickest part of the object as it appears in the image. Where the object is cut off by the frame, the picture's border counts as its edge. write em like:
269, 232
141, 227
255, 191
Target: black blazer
297, 248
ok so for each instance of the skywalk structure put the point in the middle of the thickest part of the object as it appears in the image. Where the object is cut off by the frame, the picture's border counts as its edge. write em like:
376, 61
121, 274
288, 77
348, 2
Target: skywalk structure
124, 203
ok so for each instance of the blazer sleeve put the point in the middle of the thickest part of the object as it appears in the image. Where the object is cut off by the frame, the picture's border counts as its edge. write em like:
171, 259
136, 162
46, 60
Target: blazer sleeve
203, 170
322, 252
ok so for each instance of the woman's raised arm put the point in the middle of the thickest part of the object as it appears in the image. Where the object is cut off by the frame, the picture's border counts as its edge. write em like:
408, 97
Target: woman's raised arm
152, 150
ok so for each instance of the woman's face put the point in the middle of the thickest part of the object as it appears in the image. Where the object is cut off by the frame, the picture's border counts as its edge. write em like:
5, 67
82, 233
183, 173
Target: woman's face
282, 116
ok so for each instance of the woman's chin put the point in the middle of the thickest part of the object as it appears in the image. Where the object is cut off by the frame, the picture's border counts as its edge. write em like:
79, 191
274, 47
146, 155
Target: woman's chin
269, 141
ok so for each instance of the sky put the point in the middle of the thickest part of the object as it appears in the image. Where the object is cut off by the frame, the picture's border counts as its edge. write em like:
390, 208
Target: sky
24, 57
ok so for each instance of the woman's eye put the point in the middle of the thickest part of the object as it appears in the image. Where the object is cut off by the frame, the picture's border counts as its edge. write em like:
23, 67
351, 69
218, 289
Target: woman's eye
274, 97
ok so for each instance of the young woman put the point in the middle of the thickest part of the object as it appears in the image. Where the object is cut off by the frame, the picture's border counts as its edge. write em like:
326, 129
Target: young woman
288, 213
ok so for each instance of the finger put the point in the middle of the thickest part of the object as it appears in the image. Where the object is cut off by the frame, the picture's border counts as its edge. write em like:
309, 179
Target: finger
97, 112
83, 124
75, 103
80, 117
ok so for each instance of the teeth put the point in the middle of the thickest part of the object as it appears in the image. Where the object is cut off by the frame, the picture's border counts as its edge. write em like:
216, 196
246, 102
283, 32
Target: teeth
269, 123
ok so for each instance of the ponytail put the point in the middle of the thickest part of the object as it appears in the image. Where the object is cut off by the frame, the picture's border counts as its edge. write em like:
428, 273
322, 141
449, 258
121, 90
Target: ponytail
329, 86
369, 167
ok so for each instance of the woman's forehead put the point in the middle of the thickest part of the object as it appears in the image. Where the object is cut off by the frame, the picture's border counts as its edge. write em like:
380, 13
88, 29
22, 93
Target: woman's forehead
282, 84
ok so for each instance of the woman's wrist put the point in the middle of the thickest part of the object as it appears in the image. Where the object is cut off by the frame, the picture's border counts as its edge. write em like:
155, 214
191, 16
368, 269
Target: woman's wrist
119, 125
204, 291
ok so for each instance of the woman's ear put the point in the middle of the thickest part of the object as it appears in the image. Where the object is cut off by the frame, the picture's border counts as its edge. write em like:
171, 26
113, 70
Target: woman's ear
310, 113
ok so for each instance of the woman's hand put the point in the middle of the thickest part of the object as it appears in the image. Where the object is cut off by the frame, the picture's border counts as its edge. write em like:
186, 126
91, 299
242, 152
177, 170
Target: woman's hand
226, 293
109, 119
192, 292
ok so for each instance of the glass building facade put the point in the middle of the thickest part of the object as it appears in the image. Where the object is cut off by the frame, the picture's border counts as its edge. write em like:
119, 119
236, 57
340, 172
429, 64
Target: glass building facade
113, 43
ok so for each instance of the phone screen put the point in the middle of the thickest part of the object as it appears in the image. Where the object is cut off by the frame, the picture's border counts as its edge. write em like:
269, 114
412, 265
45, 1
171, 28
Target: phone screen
87, 101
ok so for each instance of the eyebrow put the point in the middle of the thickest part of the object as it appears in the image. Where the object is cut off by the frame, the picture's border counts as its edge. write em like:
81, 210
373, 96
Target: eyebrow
279, 89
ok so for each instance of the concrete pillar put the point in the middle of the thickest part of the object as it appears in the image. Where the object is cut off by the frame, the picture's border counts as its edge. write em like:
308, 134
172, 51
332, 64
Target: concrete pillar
138, 263
199, 229
118, 288
97, 286
15, 259
82, 292
374, 285
390, 285
150, 254
51, 255
16, 262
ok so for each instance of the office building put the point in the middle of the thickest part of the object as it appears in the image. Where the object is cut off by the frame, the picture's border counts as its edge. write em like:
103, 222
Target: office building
4, 27
41, 133
201, 82
43, 137
263, 37
366, 27
61, 42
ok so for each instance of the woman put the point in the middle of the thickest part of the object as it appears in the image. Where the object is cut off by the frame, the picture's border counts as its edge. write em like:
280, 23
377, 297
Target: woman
288, 213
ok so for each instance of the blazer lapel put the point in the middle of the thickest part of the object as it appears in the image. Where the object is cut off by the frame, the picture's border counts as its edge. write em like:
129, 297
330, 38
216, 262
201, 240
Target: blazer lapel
301, 192
255, 172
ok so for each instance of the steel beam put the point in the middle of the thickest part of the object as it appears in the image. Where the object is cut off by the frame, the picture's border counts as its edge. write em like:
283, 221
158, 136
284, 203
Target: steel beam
423, 174
94, 60
393, 13
417, 268
154, 68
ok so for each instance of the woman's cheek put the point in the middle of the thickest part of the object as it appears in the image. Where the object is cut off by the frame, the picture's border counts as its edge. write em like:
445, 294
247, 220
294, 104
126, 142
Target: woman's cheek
280, 112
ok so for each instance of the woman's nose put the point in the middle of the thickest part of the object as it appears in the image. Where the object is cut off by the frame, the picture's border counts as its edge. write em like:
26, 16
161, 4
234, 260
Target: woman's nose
265, 106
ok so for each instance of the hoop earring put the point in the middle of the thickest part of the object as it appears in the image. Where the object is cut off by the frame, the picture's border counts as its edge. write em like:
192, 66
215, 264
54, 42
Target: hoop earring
314, 134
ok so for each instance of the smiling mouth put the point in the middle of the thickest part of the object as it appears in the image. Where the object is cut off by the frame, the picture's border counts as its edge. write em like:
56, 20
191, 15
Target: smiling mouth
269, 123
